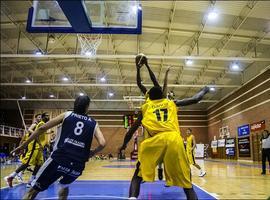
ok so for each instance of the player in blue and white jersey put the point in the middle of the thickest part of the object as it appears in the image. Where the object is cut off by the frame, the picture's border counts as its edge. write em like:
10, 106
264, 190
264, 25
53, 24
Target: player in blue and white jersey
71, 150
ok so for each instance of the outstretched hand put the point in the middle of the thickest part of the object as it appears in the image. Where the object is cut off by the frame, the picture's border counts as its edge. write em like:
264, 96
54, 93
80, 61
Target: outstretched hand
141, 60
17, 150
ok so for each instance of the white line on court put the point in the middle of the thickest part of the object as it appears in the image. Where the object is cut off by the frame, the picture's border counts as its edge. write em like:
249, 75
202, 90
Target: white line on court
211, 194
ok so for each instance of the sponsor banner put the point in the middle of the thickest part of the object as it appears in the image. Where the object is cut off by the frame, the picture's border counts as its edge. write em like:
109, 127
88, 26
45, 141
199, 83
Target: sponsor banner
243, 130
221, 143
230, 142
258, 126
230, 151
214, 144
244, 147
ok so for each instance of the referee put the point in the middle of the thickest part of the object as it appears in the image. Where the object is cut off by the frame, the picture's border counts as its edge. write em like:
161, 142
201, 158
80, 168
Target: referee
265, 150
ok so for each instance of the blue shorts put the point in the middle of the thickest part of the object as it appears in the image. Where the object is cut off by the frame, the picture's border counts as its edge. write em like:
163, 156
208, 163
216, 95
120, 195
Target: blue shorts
52, 170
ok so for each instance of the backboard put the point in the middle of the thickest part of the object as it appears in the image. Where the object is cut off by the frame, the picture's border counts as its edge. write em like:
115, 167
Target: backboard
79, 16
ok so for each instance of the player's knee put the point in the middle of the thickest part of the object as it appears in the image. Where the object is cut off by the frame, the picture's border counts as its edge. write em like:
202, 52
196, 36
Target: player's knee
39, 187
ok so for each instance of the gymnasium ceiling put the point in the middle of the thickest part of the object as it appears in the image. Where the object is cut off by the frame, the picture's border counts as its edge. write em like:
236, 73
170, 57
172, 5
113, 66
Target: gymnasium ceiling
170, 28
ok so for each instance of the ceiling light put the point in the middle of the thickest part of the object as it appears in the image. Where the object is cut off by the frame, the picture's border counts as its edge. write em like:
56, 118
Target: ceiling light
38, 53
235, 67
51, 96
65, 79
189, 62
81, 94
212, 89
23, 97
103, 79
111, 94
212, 15
28, 81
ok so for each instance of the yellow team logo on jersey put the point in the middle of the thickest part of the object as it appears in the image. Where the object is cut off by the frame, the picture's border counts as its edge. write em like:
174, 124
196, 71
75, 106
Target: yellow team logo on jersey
160, 116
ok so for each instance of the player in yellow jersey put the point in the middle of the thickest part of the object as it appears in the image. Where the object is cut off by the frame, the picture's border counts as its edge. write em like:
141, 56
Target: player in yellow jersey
190, 148
159, 118
34, 155
141, 60
30, 130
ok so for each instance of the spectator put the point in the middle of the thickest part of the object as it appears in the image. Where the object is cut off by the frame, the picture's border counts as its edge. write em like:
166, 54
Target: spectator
265, 150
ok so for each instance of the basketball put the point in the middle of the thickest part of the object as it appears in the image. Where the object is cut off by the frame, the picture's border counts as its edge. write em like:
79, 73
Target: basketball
140, 59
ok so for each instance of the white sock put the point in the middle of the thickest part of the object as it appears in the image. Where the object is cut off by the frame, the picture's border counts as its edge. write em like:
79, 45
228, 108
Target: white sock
13, 174
20, 174
32, 178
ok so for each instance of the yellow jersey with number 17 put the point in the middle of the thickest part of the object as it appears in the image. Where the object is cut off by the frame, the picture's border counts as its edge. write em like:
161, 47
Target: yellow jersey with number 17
160, 116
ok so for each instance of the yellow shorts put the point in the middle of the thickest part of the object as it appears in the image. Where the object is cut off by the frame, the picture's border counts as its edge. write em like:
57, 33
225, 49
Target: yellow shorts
191, 158
33, 157
166, 147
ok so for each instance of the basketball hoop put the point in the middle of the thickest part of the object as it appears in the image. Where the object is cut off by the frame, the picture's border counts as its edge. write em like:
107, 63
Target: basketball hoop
89, 43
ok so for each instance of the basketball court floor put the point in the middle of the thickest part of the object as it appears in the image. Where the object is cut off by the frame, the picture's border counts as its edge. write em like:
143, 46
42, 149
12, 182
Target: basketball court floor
54, 51
104, 179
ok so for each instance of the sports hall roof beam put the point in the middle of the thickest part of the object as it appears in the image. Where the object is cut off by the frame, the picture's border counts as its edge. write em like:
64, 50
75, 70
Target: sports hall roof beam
20, 26
206, 34
174, 31
167, 37
85, 74
61, 40
124, 56
244, 51
195, 38
92, 100
126, 63
222, 43
110, 61
105, 85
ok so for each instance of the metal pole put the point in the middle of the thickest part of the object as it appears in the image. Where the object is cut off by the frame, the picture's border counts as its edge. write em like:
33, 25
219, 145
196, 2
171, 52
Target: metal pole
21, 115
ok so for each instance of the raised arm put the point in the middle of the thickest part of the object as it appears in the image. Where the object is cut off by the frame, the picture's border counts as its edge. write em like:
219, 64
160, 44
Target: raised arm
165, 88
193, 100
139, 81
130, 132
151, 74
54, 122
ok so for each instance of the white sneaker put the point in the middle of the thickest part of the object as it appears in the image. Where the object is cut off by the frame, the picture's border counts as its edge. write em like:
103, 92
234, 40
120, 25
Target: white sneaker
9, 180
28, 185
19, 179
202, 174
130, 198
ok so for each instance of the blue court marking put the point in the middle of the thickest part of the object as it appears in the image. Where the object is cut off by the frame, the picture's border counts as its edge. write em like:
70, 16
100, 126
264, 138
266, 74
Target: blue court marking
120, 166
237, 163
106, 190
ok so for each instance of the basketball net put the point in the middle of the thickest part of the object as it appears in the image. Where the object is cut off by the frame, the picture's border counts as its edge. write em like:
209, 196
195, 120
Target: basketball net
89, 43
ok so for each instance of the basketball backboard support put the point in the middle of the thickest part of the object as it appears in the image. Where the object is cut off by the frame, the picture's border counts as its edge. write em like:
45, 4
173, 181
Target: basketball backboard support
79, 16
